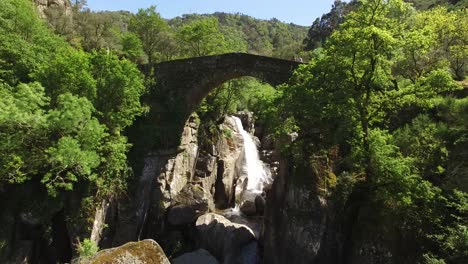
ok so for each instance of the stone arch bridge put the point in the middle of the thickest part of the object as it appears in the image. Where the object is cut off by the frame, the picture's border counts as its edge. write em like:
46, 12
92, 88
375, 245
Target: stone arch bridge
180, 85
194, 78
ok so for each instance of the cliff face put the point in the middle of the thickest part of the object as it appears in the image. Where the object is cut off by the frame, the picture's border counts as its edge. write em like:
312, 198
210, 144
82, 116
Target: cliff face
47, 6
299, 219
305, 223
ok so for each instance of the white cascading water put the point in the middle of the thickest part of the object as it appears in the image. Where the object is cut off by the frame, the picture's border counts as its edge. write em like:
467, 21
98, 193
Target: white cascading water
258, 176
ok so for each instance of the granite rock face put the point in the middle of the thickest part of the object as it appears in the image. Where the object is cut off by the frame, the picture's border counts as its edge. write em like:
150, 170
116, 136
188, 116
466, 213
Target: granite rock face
299, 220
164, 176
229, 149
43, 6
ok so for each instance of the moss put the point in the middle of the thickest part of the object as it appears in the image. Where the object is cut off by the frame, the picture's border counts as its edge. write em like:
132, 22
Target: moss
331, 180
196, 119
227, 132
146, 251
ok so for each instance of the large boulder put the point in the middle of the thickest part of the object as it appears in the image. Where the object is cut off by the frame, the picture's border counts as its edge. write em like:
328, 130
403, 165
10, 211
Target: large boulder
200, 256
142, 252
223, 238
248, 207
190, 203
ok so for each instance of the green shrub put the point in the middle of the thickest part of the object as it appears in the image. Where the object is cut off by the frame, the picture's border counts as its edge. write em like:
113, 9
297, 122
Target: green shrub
87, 248
227, 132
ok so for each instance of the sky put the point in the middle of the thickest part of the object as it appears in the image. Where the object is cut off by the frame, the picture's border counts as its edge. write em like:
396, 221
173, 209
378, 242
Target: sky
301, 12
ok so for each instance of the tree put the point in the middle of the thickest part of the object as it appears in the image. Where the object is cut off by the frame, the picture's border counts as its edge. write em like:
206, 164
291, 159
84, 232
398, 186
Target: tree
62, 110
25, 41
59, 145
350, 87
435, 38
323, 27
132, 48
149, 26
97, 30
74, 156
69, 71
119, 87
202, 37
362, 51
169, 49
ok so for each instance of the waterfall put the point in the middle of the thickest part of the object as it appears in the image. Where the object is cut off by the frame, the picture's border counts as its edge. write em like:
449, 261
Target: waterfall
258, 175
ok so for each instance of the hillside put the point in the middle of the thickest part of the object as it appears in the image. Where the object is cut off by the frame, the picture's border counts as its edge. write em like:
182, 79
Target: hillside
96, 30
323, 27
265, 37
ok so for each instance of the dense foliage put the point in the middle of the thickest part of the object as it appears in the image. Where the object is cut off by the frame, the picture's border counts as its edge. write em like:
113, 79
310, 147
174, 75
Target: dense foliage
377, 91
323, 27
247, 34
62, 109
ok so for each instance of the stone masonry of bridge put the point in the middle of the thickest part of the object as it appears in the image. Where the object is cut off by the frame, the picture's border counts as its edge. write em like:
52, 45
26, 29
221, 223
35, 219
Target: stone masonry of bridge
194, 78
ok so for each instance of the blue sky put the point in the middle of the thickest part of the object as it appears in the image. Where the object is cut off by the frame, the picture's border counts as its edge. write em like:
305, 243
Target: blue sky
301, 12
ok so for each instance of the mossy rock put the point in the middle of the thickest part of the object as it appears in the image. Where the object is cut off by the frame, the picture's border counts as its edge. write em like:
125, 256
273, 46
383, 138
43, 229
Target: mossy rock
142, 252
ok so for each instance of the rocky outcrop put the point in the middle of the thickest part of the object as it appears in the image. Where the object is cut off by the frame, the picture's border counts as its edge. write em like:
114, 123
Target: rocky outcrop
223, 238
177, 186
43, 6
142, 252
206, 171
229, 148
200, 256
165, 174
189, 204
178, 189
104, 223
180, 168
248, 121
299, 224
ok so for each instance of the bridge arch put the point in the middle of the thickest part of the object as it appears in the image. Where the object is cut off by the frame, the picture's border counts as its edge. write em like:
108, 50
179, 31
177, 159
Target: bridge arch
194, 78
179, 86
